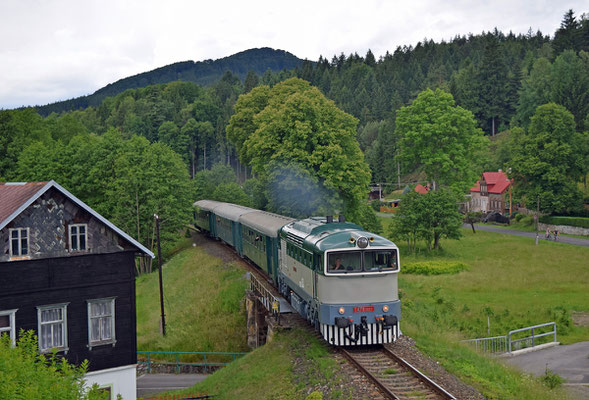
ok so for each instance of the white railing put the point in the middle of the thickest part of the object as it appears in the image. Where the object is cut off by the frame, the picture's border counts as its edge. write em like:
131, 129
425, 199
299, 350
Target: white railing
505, 344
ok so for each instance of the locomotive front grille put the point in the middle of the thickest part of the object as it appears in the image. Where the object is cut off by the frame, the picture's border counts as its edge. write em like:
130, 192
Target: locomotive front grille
375, 335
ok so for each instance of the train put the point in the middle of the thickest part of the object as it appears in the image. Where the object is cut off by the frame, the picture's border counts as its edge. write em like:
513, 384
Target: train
339, 277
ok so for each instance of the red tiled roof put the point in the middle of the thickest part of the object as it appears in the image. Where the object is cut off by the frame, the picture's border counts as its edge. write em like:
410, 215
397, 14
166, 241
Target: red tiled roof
497, 182
421, 189
14, 195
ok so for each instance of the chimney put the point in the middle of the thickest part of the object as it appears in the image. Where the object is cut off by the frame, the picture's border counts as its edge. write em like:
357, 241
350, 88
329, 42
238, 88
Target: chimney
341, 218
329, 219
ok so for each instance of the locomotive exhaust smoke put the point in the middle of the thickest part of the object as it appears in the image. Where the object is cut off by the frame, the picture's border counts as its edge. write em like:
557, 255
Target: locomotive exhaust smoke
293, 191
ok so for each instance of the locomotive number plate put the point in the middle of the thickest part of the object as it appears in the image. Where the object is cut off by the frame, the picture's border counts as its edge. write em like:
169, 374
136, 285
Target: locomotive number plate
363, 309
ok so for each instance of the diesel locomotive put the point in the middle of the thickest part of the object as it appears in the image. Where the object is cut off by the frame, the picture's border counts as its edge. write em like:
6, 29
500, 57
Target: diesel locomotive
342, 279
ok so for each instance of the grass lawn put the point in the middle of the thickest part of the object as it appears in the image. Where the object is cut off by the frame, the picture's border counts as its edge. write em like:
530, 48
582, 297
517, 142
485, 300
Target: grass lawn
511, 283
203, 305
293, 365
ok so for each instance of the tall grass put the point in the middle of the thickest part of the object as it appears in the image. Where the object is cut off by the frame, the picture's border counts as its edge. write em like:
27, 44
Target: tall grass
203, 303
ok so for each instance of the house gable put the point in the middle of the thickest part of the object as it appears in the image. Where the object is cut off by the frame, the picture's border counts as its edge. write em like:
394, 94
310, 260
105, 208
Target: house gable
48, 212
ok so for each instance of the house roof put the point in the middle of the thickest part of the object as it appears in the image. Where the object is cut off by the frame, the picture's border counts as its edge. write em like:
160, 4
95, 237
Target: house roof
419, 188
497, 182
15, 197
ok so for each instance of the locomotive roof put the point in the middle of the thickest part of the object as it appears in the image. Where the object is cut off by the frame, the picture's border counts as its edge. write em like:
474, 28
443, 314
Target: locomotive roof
315, 234
265, 222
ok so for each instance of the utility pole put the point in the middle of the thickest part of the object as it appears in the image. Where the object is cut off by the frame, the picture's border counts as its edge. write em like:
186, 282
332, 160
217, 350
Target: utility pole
536, 218
159, 260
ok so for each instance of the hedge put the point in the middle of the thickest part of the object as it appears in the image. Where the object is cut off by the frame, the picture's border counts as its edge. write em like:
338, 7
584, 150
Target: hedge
434, 267
570, 221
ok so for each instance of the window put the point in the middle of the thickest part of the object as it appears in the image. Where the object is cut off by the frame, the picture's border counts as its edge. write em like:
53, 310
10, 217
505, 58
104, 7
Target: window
52, 322
101, 322
19, 242
78, 237
7, 324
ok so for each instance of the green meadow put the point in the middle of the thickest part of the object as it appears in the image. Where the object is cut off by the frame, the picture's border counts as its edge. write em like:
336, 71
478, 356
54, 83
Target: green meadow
510, 283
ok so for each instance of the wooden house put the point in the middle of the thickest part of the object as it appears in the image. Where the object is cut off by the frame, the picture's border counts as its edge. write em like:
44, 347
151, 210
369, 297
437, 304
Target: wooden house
69, 275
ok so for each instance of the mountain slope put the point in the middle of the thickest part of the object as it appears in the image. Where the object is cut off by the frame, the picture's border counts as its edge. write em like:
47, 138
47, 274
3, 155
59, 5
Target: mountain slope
201, 72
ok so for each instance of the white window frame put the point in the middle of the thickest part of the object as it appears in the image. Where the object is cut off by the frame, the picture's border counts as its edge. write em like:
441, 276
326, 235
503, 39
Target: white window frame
99, 342
18, 252
40, 309
11, 330
77, 237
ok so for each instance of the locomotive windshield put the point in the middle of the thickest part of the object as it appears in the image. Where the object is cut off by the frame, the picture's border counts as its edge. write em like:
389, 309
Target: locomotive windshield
362, 261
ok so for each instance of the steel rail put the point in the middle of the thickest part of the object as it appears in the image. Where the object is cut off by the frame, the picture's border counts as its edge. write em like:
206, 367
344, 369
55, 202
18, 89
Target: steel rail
434, 386
381, 386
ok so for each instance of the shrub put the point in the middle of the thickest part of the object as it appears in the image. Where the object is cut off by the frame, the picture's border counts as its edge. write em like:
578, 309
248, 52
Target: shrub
570, 221
519, 217
528, 220
434, 267
551, 379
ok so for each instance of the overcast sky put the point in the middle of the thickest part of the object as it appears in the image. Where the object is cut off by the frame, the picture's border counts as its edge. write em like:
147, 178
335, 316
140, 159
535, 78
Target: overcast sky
55, 50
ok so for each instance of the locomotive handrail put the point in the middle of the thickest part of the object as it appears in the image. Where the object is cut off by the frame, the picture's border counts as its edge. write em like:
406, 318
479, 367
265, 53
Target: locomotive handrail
271, 302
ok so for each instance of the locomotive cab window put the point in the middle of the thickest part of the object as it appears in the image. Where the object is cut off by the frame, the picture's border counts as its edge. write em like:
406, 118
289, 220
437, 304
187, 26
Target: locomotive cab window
380, 260
345, 261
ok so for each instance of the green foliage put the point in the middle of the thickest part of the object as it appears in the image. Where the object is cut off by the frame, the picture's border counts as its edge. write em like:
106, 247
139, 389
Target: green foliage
220, 184
26, 374
303, 146
570, 221
127, 180
428, 217
552, 380
547, 162
440, 138
434, 267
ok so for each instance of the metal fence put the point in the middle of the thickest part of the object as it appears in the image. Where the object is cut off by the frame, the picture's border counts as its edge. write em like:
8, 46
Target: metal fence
209, 359
490, 345
531, 340
271, 302
508, 343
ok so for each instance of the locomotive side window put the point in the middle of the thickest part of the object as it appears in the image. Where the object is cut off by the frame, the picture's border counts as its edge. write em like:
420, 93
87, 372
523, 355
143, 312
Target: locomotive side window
379, 260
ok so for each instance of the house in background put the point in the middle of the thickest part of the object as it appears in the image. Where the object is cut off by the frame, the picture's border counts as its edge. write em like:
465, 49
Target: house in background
69, 275
491, 193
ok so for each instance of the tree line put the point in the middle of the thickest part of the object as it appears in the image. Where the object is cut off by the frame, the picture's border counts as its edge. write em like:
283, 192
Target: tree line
302, 132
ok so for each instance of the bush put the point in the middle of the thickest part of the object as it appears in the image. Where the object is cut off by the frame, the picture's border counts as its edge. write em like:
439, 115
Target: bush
570, 221
434, 267
528, 220
519, 217
551, 379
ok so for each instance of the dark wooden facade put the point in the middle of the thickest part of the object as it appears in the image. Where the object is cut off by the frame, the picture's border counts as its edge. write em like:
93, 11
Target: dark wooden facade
54, 274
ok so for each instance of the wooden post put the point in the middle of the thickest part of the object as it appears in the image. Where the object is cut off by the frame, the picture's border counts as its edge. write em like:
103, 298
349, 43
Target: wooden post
159, 259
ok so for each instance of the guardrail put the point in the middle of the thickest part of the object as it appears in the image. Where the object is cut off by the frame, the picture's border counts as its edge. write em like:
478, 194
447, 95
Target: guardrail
505, 344
206, 356
532, 338
491, 345
271, 302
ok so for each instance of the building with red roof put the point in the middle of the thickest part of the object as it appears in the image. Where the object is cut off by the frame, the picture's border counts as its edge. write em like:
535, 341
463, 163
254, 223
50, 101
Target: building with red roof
491, 193
419, 188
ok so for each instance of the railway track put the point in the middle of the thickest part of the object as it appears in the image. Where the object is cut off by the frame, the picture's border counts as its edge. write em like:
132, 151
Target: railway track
394, 377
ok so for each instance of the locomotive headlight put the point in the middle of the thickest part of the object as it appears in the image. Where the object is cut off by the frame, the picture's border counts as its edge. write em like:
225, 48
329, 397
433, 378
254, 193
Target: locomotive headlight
385, 308
342, 310
362, 242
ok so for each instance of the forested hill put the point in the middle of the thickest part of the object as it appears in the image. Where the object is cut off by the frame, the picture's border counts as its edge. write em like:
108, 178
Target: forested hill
201, 72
